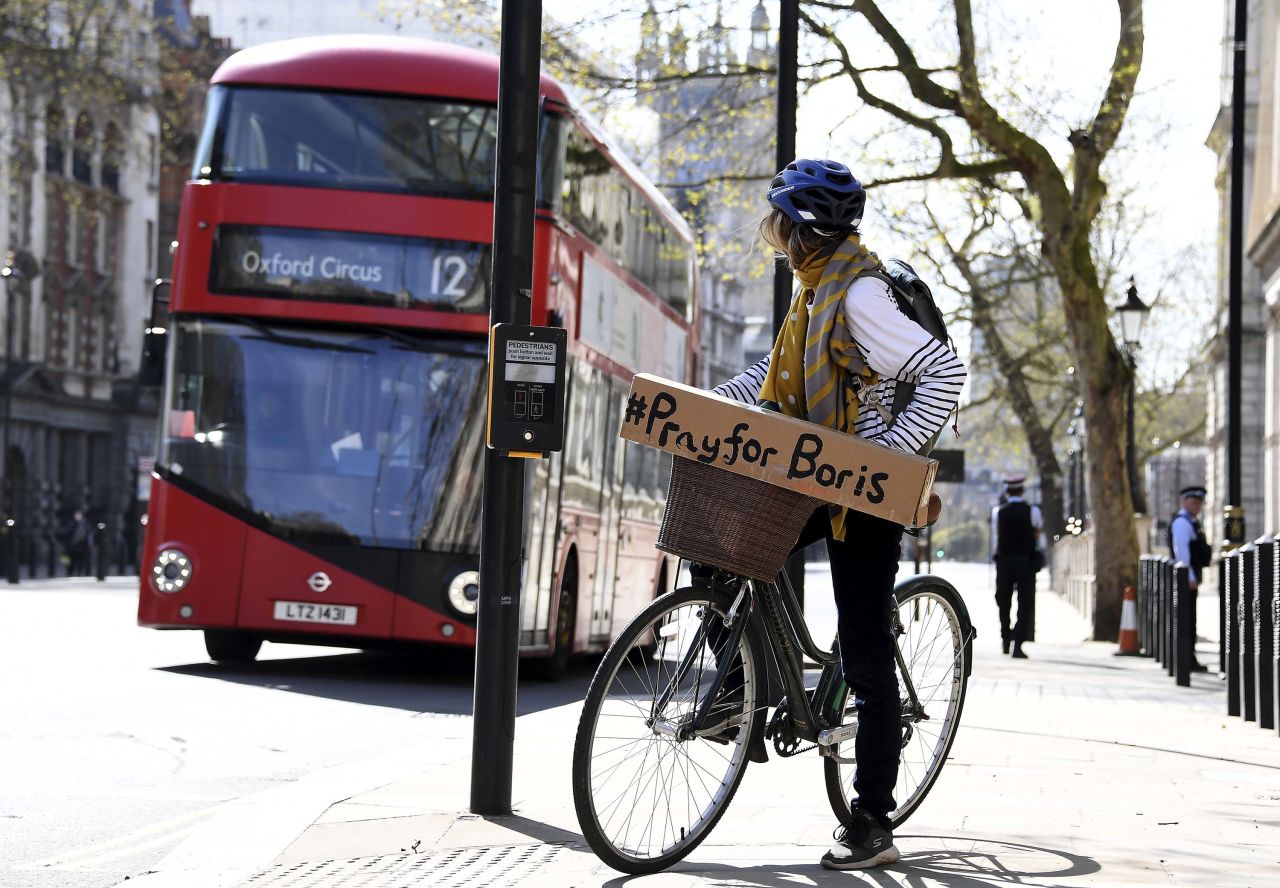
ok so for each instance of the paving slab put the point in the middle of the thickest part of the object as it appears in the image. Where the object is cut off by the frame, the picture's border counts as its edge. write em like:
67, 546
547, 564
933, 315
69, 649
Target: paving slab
1073, 767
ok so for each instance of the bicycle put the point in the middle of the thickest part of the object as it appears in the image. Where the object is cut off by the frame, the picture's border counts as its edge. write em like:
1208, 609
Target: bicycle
698, 661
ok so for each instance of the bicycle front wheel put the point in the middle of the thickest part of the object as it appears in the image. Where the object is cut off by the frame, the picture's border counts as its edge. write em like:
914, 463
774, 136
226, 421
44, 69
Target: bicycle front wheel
932, 631
646, 787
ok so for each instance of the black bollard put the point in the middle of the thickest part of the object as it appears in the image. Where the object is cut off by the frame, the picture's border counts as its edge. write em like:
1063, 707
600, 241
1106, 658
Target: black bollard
100, 552
1244, 631
1222, 609
1167, 592
1184, 637
1275, 642
1157, 612
1263, 653
1231, 641
1144, 604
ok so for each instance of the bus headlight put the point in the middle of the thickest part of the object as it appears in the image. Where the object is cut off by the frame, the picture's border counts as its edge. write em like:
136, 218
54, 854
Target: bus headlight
464, 592
171, 570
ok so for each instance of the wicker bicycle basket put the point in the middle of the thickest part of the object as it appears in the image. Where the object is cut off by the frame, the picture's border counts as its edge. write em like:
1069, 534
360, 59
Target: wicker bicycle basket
730, 521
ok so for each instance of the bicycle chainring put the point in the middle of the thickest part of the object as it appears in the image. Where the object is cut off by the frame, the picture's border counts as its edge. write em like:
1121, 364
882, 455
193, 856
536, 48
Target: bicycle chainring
782, 731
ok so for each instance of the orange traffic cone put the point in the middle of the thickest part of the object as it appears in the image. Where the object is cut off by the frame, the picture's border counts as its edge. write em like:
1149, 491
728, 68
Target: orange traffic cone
1129, 625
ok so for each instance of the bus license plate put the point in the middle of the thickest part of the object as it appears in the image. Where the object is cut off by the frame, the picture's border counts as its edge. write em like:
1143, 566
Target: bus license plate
304, 612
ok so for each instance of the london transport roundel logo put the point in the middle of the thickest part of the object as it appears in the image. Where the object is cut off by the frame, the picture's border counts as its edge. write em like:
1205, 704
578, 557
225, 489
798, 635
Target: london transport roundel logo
319, 581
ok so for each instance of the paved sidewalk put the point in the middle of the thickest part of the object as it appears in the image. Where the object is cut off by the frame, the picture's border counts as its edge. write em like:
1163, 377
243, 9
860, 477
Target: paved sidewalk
1071, 768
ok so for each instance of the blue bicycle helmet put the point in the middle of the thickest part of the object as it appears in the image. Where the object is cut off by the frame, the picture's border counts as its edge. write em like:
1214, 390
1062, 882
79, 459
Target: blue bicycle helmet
823, 193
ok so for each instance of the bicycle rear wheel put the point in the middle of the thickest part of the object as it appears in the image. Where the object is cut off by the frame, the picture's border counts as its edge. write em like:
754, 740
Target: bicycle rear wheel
933, 629
646, 792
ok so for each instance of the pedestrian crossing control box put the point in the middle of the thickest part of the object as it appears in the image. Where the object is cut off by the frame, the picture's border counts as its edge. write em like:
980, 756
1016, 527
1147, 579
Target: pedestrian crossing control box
526, 389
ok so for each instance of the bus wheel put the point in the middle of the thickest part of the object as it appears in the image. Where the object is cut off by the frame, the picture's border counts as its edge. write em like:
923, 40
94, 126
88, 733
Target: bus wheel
554, 667
229, 646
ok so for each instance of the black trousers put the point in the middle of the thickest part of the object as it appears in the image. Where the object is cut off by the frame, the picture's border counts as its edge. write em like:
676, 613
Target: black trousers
863, 567
1016, 572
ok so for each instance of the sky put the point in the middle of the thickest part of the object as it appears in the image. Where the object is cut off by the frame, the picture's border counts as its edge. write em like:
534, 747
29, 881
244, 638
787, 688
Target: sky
1049, 63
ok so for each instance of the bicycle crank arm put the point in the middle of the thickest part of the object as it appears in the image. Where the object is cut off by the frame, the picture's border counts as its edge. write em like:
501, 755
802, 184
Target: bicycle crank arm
832, 736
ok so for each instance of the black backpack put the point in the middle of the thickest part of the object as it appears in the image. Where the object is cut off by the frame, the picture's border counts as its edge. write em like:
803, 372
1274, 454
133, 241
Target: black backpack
1201, 551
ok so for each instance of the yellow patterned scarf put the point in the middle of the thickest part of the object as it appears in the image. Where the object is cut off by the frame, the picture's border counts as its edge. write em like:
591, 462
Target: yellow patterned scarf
815, 368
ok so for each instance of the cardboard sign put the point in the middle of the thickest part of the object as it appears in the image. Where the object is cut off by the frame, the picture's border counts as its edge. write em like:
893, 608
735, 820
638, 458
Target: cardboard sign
829, 465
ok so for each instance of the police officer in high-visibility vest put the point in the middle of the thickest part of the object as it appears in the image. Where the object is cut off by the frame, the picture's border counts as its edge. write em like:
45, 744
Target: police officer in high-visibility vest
1017, 549
1189, 545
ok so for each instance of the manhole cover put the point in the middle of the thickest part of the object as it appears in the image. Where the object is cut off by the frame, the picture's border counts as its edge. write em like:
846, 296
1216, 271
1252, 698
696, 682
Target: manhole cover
460, 868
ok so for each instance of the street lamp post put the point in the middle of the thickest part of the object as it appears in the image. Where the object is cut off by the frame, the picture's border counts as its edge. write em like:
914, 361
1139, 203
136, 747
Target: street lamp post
10, 275
1079, 508
1133, 315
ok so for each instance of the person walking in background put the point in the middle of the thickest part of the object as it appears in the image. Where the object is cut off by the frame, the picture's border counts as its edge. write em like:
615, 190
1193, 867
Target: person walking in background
76, 539
1018, 551
1189, 545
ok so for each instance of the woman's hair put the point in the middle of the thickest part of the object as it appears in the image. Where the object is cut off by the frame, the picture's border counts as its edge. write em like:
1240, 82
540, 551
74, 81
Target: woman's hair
797, 241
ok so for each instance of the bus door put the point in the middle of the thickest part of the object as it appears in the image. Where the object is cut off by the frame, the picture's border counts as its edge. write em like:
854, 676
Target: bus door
612, 452
541, 543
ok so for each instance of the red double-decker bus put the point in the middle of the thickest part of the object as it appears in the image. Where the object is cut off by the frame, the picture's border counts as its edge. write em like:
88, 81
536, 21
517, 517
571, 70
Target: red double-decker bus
319, 469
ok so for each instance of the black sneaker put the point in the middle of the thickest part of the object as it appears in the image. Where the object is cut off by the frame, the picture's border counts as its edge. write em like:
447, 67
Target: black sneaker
866, 845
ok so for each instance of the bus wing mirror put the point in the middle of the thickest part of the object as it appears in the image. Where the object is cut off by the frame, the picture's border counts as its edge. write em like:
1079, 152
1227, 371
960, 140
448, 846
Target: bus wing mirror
160, 291
151, 366
155, 338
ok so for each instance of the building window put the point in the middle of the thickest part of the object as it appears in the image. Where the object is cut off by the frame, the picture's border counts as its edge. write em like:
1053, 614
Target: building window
82, 150
18, 209
151, 248
72, 237
101, 243
153, 158
53, 136
67, 341
111, 152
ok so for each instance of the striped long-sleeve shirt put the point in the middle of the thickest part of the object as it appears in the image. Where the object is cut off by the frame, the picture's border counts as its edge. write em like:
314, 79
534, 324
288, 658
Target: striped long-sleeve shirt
896, 348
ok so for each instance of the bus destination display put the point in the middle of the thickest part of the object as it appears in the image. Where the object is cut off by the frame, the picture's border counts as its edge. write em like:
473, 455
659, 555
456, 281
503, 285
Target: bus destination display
526, 409
334, 266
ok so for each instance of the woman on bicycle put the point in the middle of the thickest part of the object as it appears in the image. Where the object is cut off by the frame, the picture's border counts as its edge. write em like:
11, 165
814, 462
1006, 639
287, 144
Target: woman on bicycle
842, 350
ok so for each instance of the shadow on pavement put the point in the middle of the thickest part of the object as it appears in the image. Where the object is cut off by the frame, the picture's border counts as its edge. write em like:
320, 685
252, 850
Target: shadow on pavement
1106, 742
959, 863
423, 681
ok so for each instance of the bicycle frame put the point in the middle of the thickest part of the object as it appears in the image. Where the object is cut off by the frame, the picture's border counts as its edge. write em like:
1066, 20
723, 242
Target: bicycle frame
776, 611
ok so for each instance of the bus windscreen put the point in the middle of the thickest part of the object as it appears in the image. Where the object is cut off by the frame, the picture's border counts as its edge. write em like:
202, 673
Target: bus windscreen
330, 436
351, 140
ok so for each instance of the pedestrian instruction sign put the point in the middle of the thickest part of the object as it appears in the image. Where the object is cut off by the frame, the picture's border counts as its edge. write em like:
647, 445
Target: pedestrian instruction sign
526, 389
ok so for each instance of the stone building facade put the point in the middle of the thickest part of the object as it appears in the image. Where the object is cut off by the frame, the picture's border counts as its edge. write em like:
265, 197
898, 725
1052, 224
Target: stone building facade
1254, 479
1262, 242
696, 149
78, 228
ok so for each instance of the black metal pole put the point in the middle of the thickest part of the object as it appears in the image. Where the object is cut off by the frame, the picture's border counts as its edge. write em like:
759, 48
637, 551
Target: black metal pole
788, 65
498, 628
10, 522
1131, 454
788, 62
1234, 525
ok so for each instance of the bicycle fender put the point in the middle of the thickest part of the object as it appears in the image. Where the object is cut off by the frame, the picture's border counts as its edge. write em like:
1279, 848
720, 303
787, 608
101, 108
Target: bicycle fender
910, 584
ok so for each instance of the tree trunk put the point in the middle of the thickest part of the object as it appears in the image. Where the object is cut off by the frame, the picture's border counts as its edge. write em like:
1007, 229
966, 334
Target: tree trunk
1104, 376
